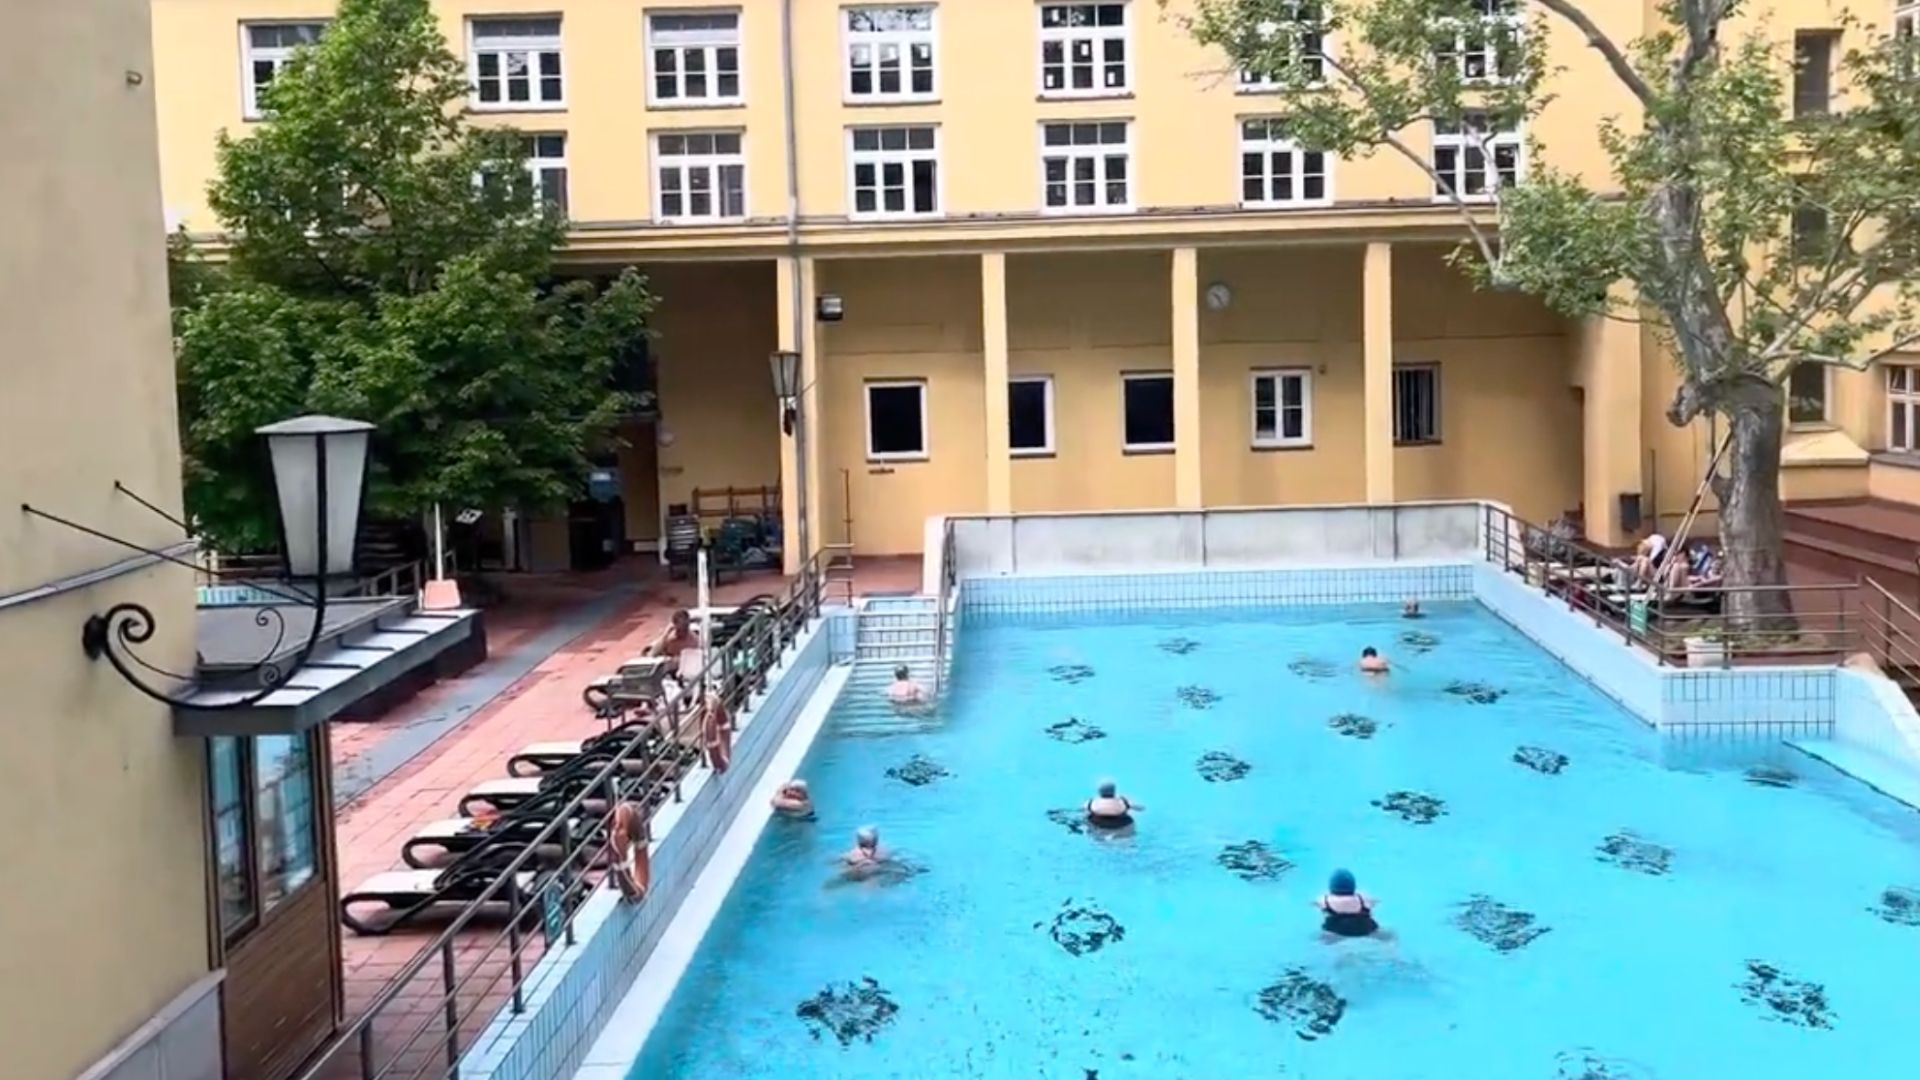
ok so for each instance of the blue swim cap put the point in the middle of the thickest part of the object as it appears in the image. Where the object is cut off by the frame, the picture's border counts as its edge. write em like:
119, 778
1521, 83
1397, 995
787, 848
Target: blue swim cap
1341, 883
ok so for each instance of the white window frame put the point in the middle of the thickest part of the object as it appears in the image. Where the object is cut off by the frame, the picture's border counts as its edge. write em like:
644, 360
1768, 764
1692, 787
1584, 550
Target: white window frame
534, 46
1266, 147
1098, 36
1147, 448
1513, 17
1248, 82
1278, 440
905, 159
1907, 399
1906, 19
1097, 151
535, 165
277, 56
687, 162
707, 42
875, 40
866, 400
1439, 403
1047, 449
1488, 144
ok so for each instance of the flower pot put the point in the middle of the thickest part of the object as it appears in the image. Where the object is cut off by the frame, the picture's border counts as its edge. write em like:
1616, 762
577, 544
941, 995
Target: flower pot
1706, 652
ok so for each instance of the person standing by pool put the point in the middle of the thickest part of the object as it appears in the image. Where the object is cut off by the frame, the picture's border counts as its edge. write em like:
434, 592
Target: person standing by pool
1410, 609
1371, 662
1347, 911
1109, 809
793, 800
905, 691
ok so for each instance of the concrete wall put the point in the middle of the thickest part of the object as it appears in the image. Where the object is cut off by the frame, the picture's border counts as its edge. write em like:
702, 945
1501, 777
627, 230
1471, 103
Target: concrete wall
105, 908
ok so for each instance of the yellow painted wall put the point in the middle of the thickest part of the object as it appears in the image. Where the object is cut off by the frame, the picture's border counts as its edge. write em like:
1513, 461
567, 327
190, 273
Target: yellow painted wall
1897, 483
104, 914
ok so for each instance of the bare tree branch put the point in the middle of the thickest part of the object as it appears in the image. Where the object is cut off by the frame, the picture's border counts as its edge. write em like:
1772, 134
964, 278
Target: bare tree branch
1597, 38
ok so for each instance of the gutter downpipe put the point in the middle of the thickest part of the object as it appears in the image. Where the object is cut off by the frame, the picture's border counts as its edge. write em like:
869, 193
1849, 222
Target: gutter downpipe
798, 299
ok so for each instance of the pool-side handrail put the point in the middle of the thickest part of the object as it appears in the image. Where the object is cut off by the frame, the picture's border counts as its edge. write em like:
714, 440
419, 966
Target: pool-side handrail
943, 603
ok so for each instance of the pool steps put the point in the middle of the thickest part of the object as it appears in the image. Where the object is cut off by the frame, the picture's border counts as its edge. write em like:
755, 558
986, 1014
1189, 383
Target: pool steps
890, 631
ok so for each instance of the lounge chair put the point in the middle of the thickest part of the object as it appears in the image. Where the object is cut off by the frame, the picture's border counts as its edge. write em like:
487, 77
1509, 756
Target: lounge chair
639, 684
406, 895
437, 843
538, 759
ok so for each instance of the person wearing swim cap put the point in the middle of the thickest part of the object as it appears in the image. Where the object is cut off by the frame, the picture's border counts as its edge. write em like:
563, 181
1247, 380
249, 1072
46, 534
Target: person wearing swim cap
1347, 912
793, 800
865, 853
1109, 809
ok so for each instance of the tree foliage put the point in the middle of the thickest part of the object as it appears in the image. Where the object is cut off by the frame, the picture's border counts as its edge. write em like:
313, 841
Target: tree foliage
389, 262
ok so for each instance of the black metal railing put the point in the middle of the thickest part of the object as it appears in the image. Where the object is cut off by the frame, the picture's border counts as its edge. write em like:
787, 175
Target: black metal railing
428, 1015
949, 577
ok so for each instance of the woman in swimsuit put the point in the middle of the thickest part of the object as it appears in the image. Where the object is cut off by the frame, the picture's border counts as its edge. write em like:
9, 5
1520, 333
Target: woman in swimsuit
1347, 912
1110, 810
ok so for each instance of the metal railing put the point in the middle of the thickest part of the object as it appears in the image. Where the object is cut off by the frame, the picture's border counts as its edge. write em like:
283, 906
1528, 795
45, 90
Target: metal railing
1819, 624
949, 575
426, 1017
1891, 633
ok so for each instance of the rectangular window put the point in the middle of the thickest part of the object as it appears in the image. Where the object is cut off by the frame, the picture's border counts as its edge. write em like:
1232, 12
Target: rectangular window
1083, 49
890, 53
1275, 170
547, 166
1298, 39
1807, 394
1808, 238
1030, 415
265, 48
1283, 408
232, 853
1906, 23
696, 58
284, 836
1416, 404
1813, 71
897, 421
1084, 166
1903, 408
1474, 158
514, 63
1483, 46
699, 176
894, 171
1146, 404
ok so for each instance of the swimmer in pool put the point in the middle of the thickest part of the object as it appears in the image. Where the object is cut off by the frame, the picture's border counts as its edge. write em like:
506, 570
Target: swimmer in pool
1109, 809
792, 800
1346, 911
1410, 609
1372, 662
905, 691
866, 854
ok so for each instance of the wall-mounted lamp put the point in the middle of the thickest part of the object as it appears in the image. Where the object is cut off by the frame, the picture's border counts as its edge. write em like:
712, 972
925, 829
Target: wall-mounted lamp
785, 366
829, 307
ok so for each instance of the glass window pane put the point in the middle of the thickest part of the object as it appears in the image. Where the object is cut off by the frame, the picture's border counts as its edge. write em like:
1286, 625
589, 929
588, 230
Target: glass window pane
233, 868
925, 188
284, 810
1027, 414
894, 420
1148, 410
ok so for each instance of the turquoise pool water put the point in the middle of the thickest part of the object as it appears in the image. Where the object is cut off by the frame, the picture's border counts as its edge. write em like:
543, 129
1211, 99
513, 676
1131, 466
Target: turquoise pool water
1708, 911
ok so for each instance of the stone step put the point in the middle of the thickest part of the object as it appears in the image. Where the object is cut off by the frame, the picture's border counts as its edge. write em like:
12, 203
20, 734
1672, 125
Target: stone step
1887, 529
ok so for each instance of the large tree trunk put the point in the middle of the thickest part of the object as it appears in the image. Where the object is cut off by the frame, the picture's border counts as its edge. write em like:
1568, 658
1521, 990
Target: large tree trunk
1752, 523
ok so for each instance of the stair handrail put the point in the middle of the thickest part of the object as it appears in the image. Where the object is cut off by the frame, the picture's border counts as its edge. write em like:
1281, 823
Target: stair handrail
1899, 647
948, 576
1679, 543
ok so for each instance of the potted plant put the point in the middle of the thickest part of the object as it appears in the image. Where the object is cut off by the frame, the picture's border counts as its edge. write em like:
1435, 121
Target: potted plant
1706, 648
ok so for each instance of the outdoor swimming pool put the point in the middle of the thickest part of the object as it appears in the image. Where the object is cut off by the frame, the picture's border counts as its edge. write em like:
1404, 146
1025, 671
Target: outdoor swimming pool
1571, 898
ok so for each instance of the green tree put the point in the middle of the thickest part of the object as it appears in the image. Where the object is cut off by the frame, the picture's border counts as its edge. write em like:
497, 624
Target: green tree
1754, 237
387, 261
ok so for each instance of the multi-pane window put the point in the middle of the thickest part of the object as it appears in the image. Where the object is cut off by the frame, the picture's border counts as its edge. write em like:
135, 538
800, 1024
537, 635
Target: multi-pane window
1813, 71
1483, 46
699, 176
233, 859
895, 171
1277, 171
1083, 49
1301, 29
1416, 403
1085, 165
890, 53
897, 420
514, 63
1030, 415
696, 57
1146, 411
1283, 408
1474, 159
547, 167
265, 48
1807, 394
1903, 407
1807, 233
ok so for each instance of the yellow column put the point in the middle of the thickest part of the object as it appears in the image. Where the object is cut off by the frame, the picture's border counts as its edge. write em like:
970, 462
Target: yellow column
993, 320
795, 288
1186, 378
1377, 347
1607, 370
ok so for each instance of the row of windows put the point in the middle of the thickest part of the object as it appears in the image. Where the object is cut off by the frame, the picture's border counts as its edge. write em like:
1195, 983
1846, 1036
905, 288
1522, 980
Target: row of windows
1086, 166
1281, 415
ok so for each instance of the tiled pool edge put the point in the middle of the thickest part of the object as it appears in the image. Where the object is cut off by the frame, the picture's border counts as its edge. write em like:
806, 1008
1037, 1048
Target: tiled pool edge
573, 991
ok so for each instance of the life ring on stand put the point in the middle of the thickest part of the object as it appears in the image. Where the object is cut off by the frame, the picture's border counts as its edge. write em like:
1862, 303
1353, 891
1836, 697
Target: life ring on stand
717, 730
632, 863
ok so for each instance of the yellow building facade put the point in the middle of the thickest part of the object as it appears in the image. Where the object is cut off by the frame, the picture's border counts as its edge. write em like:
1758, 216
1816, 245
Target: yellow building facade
1045, 256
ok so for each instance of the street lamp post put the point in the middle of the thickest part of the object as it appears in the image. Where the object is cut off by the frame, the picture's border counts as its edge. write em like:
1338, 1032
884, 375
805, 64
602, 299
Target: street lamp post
785, 368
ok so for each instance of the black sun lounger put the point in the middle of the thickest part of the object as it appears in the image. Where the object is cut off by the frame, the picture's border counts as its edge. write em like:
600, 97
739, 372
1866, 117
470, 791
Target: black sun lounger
404, 896
539, 758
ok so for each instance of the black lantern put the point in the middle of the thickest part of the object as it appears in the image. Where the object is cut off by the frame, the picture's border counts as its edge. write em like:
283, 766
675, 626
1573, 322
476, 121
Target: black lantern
785, 366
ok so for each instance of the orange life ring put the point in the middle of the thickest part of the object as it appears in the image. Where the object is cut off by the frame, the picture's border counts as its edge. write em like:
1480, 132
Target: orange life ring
632, 864
719, 734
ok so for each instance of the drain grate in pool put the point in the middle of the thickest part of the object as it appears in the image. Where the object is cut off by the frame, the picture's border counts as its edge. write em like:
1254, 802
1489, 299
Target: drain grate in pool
918, 771
1629, 852
1540, 759
1419, 641
1899, 905
1074, 730
1310, 1006
1785, 999
1771, 776
1354, 726
850, 1011
1493, 923
1080, 929
1584, 1064
1414, 806
1220, 767
1253, 861
1308, 667
1198, 697
1478, 693
1179, 646
1070, 673
1072, 819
